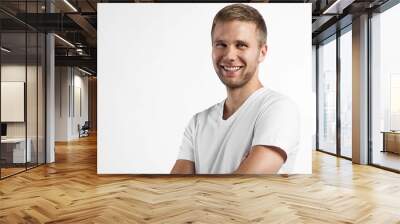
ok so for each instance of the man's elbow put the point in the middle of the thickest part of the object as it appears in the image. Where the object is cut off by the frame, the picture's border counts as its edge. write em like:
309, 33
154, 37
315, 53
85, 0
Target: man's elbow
262, 160
183, 167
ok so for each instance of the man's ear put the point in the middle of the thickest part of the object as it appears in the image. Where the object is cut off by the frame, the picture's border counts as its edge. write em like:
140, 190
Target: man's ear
263, 53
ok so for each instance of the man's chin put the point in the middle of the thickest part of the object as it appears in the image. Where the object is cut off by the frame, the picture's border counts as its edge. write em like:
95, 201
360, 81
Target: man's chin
232, 75
230, 84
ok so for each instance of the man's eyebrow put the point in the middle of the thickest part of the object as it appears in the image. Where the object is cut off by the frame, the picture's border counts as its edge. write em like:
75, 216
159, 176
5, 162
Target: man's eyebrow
237, 41
218, 41
242, 42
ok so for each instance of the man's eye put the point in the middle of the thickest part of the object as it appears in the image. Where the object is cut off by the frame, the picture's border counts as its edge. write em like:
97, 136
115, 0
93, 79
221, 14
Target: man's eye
241, 45
219, 45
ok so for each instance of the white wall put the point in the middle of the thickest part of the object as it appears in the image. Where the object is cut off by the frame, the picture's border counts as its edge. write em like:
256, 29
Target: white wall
61, 103
68, 81
155, 72
80, 84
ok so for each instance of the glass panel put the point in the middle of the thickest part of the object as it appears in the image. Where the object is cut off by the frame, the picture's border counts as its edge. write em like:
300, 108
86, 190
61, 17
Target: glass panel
327, 97
13, 87
31, 85
31, 101
41, 98
22, 78
386, 89
346, 94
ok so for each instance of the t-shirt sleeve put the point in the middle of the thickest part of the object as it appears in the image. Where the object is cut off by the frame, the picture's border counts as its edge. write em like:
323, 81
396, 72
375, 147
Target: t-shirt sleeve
278, 125
186, 150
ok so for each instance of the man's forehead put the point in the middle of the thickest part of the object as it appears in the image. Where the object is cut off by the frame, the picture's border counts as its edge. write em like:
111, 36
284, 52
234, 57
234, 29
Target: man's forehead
234, 30
234, 24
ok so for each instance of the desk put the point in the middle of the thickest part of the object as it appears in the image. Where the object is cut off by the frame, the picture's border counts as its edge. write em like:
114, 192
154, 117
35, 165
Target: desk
391, 141
15, 148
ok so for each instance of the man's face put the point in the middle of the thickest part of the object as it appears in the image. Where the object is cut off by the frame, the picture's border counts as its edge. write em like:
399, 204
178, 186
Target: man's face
236, 52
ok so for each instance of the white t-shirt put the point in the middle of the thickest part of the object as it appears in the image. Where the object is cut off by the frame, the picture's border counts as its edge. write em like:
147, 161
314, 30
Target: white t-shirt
218, 146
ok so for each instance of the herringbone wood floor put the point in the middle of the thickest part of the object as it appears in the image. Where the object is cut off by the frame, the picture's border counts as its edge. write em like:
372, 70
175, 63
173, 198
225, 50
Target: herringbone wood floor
70, 191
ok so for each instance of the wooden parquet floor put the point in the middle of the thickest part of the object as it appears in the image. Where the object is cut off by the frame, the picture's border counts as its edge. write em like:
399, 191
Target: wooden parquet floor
70, 191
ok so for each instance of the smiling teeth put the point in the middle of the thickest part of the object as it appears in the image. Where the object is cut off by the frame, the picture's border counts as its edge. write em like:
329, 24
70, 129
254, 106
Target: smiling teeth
235, 68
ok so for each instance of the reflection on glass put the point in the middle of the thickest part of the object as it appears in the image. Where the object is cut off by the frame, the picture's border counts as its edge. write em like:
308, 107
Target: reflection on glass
327, 96
395, 102
32, 86
22, 91
41, 99
31, 101
386, 89
13, 84
346, 94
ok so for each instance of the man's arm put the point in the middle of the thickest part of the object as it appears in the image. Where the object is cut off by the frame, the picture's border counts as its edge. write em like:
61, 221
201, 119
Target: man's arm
183, 167
262, 160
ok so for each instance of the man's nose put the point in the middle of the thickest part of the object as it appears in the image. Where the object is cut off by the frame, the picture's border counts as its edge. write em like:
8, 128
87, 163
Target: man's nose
230, 53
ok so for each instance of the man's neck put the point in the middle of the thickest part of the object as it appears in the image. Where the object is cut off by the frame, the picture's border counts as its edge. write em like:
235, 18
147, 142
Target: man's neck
236, 97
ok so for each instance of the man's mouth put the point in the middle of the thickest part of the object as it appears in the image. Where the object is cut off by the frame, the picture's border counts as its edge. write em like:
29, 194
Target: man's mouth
231, 68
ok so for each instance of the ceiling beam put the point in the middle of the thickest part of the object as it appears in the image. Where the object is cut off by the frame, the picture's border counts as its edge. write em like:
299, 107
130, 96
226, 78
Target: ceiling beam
86, 26
85, 61
337, 6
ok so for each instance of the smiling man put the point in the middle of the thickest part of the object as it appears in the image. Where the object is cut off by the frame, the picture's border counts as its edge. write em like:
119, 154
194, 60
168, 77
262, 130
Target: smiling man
255, 130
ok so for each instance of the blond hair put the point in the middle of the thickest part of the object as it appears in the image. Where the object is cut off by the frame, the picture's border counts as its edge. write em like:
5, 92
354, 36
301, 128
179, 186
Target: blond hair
244, 13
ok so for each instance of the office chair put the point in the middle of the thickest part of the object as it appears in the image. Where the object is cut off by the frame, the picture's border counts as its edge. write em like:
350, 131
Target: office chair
84, 130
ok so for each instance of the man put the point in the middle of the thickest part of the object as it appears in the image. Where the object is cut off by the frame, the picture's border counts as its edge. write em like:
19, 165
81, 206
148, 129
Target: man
255, 130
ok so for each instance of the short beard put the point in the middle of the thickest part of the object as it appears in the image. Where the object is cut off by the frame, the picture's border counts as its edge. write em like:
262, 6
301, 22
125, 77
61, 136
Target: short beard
243, 82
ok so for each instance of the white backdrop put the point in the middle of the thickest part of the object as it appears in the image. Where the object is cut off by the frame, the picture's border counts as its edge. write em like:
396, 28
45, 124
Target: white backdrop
155, 72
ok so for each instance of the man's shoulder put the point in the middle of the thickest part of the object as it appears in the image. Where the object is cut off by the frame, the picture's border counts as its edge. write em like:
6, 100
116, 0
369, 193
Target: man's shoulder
272, 98
210, 112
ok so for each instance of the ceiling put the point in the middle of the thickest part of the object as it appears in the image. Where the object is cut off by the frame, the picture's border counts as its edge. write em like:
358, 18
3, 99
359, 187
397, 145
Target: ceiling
76, 22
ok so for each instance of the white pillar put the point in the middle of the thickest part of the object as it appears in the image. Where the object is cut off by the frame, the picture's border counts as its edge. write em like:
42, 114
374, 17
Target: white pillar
50, 91
360, 90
